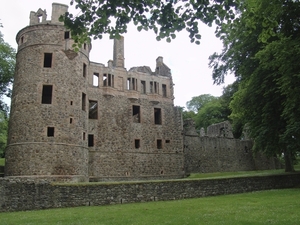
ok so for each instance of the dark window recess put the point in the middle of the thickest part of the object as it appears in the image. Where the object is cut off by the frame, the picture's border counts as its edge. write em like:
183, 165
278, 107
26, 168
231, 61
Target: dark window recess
67, 34
93, 109
84, 46
83, 136
154, 87
164, 90
83, 101
84, 70
131, 84
159, 144
47, 94
143, 87
108, 80
137, 143
157, 116
71, 120
48, 60
91, 140
167, 141
136, 115
50, 131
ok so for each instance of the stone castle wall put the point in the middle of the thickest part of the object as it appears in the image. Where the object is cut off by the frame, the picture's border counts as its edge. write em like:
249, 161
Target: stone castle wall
83, 120
21, 194
215, 153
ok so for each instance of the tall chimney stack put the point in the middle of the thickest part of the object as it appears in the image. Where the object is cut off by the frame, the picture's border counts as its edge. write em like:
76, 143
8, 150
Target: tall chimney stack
119, 52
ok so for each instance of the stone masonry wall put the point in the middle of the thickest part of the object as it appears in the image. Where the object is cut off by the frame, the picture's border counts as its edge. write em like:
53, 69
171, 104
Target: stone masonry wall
19, 194
207, 154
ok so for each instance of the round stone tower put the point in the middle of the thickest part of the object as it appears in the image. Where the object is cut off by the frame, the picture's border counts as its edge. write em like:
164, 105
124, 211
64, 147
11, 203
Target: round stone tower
49, 115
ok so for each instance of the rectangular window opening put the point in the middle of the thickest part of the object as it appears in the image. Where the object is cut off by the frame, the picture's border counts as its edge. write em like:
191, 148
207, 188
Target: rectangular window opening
50, 131
164, 90
167, 141
157, 116
136, 115
143, 87
128, 84
93, 109
156, 87
47, 94
84, 46
83, 101
91, 140
83, 136
137, 143
151, 87
110, 80
67, 34
96, 79
48, 60
159, 144
84, 70
104, 80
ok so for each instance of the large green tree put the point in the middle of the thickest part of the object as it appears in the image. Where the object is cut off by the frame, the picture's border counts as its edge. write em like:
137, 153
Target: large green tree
7, 68
197, 102
3, 132
262, 48
165, 18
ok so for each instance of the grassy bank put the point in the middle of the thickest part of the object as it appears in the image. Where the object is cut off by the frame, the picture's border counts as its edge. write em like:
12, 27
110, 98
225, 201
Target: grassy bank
266, 207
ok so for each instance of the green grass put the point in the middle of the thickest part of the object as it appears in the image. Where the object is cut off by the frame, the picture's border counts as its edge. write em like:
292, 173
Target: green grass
235, 174
2, 161
265, 207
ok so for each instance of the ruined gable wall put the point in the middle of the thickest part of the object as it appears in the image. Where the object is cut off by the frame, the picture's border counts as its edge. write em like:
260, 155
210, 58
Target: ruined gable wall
114, 155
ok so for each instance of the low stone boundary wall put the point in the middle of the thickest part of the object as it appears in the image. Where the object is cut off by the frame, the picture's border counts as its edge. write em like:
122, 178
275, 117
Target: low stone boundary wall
19, 194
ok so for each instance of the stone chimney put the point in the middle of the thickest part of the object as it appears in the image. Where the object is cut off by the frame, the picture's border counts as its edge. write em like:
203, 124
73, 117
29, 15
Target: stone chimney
58, 10
119, 52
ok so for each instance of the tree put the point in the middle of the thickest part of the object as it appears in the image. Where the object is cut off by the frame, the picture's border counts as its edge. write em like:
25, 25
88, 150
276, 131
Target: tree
3, 132
209, 114
165, 18
7, 68
262, 47
199, 101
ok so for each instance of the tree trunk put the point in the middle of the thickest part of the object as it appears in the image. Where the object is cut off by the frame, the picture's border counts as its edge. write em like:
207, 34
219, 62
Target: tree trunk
289, 166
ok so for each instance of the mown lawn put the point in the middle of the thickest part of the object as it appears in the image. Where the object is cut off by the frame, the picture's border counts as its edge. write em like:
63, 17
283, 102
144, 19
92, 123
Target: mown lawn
265, 207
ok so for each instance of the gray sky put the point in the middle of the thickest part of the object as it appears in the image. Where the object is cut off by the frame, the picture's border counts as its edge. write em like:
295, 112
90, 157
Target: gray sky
187, 61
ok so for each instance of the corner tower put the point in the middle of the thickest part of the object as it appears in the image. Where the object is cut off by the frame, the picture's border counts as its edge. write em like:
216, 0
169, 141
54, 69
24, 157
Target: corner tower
48, 120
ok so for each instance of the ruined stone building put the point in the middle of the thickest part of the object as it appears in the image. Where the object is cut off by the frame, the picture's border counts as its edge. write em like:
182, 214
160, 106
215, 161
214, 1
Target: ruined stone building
76, 120
73, 119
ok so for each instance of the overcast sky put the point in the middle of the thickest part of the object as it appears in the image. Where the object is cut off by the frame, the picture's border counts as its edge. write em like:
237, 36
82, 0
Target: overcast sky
188, 62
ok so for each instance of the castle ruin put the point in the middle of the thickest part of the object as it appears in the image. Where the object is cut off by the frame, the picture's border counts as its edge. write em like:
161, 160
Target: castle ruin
76, 120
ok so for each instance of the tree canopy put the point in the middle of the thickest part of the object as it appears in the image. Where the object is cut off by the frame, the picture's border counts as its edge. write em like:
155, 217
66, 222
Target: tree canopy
7, 68
262, 47
164, 18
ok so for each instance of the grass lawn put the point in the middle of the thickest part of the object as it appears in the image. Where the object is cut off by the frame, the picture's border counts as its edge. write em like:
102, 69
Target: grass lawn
265, 207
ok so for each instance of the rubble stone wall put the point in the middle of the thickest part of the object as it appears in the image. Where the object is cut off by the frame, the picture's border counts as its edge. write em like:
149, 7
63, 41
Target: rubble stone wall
19, 194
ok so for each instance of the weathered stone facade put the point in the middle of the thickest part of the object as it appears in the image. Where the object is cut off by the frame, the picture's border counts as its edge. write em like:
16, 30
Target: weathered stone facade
76, 120
72, 118
218, 151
